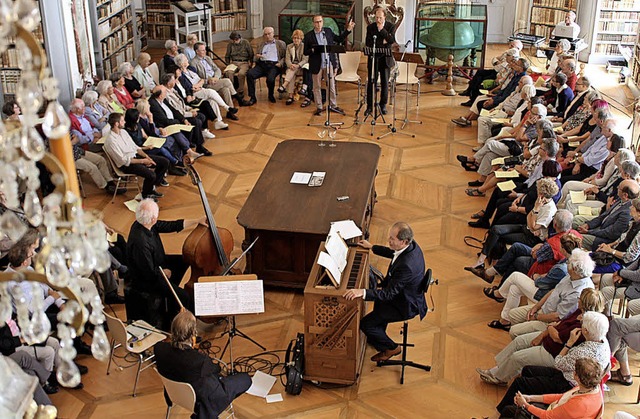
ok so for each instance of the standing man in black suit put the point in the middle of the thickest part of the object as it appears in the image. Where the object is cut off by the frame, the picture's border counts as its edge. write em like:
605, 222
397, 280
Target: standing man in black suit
399, 296
314, 42
179, 361
384, 38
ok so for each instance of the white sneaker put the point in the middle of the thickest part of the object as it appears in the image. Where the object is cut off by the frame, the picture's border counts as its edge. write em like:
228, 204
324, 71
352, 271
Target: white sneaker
208, 135
220, 125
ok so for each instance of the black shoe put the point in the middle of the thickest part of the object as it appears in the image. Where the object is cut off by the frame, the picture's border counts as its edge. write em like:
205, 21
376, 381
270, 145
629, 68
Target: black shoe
281, 89
155, 195
50, 389
232, 116
251, 102
203, 151
318, 112
164, 183
245, 102
232, 111
479, 224
272, 99
111, 188
176, 171
383, 110
114, 298
82, 348
367, 112
467, 103
475, 183
337, 110
78, 387
81, 368
465, 92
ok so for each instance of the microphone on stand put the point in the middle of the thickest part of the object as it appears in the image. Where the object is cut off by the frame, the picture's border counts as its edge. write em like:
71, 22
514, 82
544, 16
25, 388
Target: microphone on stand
407, 44
374, 39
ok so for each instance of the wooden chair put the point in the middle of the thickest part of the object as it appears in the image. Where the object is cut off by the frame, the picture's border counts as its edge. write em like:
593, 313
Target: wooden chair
122, 178
424, 286
155, 72
119, 339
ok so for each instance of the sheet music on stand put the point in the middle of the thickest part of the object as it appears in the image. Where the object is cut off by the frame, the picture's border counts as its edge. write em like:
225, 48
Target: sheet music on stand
226, 298
379, 51
334, 258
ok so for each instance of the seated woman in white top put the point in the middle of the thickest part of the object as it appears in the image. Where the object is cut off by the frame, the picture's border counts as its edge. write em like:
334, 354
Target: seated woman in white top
141, 73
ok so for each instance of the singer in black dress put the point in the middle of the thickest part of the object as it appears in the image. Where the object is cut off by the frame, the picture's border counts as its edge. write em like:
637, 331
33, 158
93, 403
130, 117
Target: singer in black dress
381, 34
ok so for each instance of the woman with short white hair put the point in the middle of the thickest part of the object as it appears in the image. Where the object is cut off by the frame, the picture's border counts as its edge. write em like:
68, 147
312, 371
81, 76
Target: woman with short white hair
93, 111
142, 74
107, 98
130, 83
168, 61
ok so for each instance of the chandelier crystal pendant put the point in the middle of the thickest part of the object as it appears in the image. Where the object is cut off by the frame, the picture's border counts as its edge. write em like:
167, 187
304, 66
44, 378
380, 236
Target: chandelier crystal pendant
74, 241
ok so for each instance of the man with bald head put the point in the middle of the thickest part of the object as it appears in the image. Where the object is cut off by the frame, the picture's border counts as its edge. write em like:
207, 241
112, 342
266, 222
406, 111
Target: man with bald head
269, 62
399, 296
610, 224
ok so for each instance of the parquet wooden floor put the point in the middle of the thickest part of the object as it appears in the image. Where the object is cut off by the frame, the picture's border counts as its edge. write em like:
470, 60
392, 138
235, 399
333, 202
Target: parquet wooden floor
419, 181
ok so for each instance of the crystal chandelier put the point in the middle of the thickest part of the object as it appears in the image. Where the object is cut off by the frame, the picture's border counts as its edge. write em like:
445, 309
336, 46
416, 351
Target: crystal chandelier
74, 242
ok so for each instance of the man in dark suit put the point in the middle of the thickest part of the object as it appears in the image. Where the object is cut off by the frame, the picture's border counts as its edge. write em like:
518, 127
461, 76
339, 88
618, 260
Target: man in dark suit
314, 42
399, 296
383, 31
179, 361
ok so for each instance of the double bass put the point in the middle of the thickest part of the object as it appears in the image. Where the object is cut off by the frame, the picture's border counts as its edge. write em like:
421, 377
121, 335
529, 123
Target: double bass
207, 249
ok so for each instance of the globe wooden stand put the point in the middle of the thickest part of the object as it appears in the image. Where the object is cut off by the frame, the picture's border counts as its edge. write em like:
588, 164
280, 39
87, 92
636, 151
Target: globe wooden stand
448, 91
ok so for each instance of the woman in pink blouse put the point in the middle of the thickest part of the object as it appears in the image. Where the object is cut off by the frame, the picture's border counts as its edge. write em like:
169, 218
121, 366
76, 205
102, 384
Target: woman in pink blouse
122, 94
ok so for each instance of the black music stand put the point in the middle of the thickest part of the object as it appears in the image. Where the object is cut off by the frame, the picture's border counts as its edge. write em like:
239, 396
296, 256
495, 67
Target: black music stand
371, 53
407, 58
330, 49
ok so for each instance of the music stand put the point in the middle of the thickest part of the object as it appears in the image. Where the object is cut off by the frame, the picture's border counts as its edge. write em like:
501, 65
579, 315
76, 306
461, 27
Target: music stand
330, 49
408, 58
371, 53
400, 57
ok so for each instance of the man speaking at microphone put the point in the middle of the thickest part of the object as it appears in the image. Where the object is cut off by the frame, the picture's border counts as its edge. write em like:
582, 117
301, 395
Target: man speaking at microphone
314, 42
379, 34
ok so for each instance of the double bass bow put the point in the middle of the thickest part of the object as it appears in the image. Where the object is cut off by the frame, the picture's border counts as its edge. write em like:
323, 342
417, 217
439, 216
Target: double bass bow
207, 248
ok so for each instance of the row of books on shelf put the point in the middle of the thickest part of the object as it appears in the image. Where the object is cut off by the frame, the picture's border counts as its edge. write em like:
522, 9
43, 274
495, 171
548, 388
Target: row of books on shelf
607, 37
539, 30
620, 4
221, 6
153, 17
10, 58
607, 49
630, 27
547, 16
112, 43
111, 64
108, 25
158, 5
9, 80
620, 15
161, 32
566, 4
110, 8
235, 22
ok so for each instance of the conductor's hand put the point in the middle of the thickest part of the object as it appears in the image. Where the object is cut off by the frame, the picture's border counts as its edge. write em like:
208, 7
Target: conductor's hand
167, 272
353, 294
365, 244
351, 25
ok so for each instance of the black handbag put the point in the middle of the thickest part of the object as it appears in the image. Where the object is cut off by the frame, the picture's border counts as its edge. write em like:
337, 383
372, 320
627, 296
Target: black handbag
602, 258
294, 365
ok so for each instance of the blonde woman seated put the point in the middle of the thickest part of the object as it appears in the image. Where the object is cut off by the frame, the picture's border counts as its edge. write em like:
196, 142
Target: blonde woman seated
193, 85
599, 186
581, 402
107, 99
540, 348
557, 304
519, 285
295, 60
142, 74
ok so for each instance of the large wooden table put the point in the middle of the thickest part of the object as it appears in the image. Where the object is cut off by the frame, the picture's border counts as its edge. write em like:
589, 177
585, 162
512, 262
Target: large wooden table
291, 220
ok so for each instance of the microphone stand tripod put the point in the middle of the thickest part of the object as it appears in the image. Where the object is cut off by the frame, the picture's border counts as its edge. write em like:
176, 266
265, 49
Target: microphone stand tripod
327, 123
392, 126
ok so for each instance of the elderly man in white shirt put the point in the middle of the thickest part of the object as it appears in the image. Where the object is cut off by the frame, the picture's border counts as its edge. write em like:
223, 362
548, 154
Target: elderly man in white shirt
211, 73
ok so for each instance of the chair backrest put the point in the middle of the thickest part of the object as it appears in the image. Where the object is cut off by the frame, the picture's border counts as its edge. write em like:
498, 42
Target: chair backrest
402, 73
349, 62
116, 170
181, 394
117, 329
155, 72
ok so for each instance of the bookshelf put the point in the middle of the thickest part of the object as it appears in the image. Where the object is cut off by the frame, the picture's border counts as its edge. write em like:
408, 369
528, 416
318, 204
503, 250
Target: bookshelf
616, 24
141, 27
10, 65
115, 34
635, 63
226, 16
545, 15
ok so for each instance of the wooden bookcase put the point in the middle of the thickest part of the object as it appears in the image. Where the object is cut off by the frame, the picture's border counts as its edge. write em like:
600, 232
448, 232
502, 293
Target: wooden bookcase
635, 61
160, 24
545, 14
616, 24
10, 65
115, 34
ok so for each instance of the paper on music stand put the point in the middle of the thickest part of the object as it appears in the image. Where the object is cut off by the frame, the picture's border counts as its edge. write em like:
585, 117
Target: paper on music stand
261, 384
505, 174
172, 129
132, 205
507, 186
498, 161
231, 67
155, 142
337, 249
300, 178
331, 266
347, 229
578, 197
586, 211
228, 297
